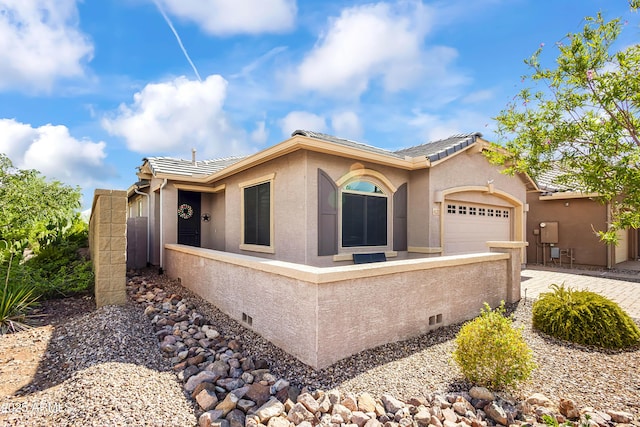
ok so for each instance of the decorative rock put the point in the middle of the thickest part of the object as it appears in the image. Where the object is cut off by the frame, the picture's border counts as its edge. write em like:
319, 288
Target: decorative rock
278, 422
309, 402
539, 399
219, 367
324, 404
189, 372
342, 411
236, 418
240, 391
245, 405
259, 393
391, 404
228, 404
193, 381
496, 413
359, 418
373, 423
299, 413
542, 411
230, 383
366, 403
620, 417
195, 360
435, 421
422, 417
207, 400
212, 334
350, 402
482, 393
272, 408
203, 386
569, 409
208, 418
449, 415
461, 407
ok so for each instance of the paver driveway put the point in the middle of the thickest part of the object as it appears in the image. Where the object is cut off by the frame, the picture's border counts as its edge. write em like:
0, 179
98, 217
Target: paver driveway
625, 293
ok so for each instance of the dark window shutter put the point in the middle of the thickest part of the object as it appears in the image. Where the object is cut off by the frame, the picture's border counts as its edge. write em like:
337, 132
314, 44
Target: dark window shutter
400, 219
327, 215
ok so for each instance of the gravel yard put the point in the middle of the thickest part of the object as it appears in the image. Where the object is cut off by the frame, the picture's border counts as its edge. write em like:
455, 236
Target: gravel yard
104, 367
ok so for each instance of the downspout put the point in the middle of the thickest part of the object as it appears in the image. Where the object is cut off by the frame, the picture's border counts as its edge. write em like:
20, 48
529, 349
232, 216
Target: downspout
161, 271
609, 246
148, 221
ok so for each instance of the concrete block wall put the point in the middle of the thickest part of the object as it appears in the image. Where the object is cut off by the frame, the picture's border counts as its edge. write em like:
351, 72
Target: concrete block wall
108, 245
321, 315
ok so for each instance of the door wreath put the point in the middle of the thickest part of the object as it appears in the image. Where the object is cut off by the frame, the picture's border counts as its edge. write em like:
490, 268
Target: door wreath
185, 211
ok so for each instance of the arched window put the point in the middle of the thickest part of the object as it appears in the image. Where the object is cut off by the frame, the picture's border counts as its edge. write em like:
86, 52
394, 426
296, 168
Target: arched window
364, 214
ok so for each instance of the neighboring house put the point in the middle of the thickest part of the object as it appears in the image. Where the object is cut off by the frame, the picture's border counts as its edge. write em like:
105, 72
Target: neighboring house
316, 199
562, 225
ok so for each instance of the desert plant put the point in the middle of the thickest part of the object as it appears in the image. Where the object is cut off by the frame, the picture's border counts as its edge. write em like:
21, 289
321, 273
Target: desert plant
15, 303
584, 317
491, 352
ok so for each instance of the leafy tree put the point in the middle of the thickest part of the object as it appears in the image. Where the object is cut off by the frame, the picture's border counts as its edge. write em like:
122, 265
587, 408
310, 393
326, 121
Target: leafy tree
33, 211
582, 116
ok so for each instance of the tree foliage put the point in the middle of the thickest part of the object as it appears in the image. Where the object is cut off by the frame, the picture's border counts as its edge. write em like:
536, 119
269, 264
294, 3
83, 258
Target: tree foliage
582, 115
33, 211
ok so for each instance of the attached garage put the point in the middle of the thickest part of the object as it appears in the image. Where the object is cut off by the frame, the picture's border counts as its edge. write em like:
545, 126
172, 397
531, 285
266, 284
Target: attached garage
468, 226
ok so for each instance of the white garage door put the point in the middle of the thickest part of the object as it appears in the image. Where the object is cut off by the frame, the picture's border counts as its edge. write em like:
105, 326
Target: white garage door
468, 226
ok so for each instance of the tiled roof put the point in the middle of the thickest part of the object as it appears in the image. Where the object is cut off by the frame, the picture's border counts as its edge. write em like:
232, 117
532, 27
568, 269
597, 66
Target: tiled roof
435, 150
440, 149
174, 166
548, 180
345, 142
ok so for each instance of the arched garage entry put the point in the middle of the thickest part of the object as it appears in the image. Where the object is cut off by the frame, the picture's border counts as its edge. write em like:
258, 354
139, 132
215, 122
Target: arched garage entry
472, 215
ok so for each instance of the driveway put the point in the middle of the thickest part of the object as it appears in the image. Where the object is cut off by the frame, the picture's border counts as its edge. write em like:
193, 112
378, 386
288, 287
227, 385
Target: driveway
625, 293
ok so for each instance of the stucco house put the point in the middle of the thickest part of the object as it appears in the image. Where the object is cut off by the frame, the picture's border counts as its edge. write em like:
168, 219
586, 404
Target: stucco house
562, 224
275, 239
316, 199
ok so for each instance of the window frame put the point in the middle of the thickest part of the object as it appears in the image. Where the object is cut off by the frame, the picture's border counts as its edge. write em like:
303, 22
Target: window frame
270, 249
386, 193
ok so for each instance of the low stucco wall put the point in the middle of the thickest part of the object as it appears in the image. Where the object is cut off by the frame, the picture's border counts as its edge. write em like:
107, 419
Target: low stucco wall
321, 315
108, 245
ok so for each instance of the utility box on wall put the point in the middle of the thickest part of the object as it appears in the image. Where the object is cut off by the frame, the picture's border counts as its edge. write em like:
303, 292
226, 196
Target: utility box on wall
549, 232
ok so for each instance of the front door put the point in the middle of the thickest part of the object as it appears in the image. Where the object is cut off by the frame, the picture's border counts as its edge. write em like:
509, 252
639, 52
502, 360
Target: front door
189, 218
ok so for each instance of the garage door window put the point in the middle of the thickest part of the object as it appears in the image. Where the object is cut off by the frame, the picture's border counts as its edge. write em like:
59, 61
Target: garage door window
364, 215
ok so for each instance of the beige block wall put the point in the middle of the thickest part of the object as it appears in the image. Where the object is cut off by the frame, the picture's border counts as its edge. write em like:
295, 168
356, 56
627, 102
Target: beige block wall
321, 315
107, 241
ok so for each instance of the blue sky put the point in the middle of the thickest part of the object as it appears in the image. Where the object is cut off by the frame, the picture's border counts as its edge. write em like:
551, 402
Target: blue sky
87, 89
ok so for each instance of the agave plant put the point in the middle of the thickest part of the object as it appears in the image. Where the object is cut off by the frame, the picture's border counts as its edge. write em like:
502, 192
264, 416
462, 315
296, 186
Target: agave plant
15, 303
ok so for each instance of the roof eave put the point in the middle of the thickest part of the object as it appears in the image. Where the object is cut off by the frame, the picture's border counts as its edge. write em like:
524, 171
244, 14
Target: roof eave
300, 142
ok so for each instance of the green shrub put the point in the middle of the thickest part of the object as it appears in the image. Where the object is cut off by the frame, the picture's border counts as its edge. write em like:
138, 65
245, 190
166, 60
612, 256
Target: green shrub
15, 302
491, 352
584, 317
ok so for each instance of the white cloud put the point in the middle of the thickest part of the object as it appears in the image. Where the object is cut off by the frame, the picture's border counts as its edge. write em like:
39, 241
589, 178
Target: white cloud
40, 43
478, 96
260, 134
302, 120
54, 152
431, 127
371, 41
174, 116
224, 17
346, 124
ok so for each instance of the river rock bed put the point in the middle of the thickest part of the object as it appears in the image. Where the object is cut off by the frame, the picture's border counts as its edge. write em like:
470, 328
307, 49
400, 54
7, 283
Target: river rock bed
237, 379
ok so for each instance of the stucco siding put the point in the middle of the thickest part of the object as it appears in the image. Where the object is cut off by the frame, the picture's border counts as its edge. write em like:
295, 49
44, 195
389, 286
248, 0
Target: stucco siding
321, 315
576, 225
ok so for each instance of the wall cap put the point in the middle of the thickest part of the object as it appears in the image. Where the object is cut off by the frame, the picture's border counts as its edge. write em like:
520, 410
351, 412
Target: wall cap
319, 275
507, 244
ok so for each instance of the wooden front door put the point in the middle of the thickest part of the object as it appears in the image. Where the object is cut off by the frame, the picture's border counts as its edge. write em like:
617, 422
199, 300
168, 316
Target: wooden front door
188, 218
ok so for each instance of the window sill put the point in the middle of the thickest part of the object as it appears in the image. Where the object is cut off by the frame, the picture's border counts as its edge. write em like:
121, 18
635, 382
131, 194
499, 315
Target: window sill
349, 256
258, 248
